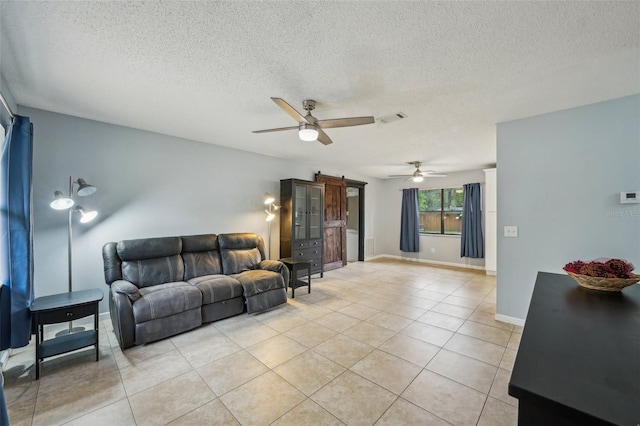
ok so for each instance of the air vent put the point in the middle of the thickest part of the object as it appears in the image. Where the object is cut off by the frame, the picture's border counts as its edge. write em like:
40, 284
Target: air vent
392, 117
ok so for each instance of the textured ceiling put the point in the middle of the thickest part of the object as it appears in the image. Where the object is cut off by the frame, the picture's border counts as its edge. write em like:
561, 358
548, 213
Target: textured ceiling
205, 70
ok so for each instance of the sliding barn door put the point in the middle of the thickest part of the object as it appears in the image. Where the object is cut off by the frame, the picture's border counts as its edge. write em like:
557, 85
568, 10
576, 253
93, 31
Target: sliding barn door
335, 222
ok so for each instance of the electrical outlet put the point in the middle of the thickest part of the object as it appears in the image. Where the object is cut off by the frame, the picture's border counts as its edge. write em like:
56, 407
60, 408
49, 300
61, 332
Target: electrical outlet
511, 231
433, 250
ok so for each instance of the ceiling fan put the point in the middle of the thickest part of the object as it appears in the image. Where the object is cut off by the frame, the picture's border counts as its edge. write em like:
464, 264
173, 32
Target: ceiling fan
310, 128
418, 176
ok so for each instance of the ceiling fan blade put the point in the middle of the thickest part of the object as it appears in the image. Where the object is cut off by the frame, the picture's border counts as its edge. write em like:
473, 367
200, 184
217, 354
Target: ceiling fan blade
290, 110
323, 137
344, 122
400, 176
433, 175
276, 130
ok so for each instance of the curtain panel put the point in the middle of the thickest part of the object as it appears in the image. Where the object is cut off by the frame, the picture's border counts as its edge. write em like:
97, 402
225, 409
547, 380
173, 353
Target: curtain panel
409, 222
471, 241
16, 235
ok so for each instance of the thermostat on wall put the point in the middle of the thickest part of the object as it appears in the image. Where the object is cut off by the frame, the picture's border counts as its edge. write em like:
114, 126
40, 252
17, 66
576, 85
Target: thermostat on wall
629, 197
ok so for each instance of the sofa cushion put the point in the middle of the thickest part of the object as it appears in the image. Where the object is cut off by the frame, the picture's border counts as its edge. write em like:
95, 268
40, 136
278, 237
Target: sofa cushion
167, 299
240, 252
149, 248
216, 288
259, 281
151, 261
150, 272
112, 263
201, 256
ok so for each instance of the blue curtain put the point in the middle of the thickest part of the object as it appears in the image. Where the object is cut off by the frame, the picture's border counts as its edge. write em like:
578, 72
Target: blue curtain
16, 235
409, 222
471, 242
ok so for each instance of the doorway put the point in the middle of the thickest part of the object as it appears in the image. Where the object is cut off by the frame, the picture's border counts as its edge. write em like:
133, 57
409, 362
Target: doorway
353, 223
336, 221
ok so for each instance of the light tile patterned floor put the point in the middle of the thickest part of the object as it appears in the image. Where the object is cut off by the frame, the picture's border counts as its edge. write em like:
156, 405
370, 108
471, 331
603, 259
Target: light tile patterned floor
381, 342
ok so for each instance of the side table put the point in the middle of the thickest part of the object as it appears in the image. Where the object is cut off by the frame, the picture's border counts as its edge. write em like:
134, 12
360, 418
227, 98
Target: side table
65, 307
295, 265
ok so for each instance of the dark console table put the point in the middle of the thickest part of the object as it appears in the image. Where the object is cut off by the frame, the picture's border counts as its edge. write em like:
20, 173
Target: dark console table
65, 307
579, 358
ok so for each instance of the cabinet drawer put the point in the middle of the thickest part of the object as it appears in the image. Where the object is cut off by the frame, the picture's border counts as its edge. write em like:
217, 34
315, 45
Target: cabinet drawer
316, 265
307, 253
315, 243
67, 314
298, 244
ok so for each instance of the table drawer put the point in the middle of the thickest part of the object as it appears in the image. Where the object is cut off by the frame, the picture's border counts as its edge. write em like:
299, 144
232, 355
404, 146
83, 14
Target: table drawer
67, 314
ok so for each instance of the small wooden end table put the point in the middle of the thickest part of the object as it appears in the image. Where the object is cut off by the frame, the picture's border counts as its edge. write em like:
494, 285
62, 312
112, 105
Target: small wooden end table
65, 307
295, 265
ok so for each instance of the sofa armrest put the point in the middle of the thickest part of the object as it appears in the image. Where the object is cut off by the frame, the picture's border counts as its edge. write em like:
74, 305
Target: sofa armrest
276, 266
121, 297
126, 288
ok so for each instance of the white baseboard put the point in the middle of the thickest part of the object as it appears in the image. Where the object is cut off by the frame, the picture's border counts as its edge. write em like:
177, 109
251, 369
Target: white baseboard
104, 316
492, 273
427, 261
509, 320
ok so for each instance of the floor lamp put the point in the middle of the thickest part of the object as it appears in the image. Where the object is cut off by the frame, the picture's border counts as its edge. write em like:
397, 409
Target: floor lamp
272, 207
67, 202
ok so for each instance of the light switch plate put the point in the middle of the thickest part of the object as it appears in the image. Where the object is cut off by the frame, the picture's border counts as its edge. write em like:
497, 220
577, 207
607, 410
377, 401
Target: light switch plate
511, 231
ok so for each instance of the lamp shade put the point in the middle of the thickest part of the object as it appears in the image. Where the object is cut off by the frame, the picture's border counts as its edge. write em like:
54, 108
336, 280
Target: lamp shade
86, 216
85, 189
308, 132
270, 215
268, 198
61, 201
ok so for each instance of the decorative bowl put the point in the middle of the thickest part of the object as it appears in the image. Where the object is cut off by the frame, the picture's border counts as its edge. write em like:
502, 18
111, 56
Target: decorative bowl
604, 284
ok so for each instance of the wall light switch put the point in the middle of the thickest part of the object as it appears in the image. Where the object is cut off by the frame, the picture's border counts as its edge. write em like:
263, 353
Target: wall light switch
511, 231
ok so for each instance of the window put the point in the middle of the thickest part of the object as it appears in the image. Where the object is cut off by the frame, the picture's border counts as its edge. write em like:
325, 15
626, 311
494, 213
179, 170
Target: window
441, 211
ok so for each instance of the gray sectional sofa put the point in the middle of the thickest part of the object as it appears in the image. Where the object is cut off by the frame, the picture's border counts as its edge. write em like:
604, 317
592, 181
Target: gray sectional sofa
160, 287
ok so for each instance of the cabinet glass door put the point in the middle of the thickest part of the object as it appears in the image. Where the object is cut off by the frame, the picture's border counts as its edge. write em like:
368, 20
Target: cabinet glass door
300, 213
315, 212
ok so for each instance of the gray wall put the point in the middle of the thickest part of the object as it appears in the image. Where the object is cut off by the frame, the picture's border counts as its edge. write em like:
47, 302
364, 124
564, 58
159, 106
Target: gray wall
148, 185
353, 206
447, 247
559, 179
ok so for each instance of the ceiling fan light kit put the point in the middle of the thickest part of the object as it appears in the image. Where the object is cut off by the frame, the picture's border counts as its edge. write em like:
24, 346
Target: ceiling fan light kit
309, 127
308, 132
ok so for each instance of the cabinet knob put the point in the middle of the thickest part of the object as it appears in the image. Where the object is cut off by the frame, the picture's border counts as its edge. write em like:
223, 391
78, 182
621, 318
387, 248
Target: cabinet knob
69, 314
315, 252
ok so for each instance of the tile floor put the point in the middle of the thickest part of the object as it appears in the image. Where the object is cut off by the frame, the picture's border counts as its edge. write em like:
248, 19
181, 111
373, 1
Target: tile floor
380, 342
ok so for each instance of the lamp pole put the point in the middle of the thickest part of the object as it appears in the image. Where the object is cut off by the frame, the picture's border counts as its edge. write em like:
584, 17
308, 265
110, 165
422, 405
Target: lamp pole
70, 239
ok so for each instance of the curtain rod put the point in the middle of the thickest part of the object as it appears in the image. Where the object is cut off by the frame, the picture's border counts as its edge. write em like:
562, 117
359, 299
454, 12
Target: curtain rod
6, 106
448, 187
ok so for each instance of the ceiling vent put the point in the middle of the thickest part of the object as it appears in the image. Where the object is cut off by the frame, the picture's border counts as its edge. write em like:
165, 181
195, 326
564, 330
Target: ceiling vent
392, 117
